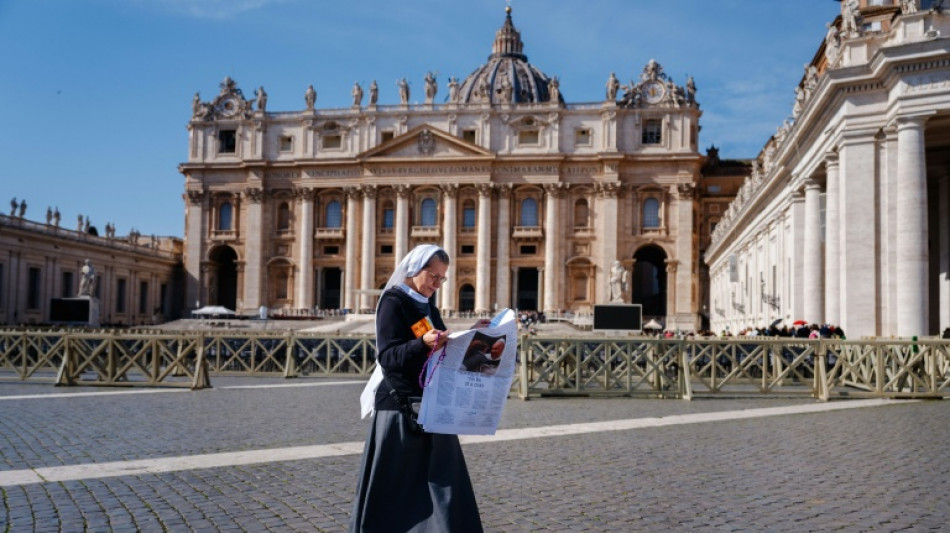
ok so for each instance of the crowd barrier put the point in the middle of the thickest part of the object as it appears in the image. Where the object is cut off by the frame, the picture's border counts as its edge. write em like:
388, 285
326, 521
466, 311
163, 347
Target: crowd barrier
591, 366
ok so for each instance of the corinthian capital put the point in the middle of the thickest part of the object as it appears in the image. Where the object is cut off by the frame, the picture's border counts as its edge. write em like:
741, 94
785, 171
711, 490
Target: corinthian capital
254, 194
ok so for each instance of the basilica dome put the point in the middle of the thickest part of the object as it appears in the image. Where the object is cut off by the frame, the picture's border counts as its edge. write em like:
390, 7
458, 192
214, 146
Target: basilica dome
507, 77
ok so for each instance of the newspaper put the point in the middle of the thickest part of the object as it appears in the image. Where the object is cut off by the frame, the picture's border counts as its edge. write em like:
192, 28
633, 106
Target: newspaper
466, 392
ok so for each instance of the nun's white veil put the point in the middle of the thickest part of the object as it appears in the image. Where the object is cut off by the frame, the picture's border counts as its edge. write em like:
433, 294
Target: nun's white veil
410, 266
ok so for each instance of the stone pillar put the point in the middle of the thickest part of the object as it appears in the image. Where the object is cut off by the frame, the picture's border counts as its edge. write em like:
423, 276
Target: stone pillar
857, 220
352, 238
542, 301
832, 264
402, 222
503, 254
943, 249
912, 257
684, 312
483, 260
196, 209
368, 250
552, 237
304, 298
812, 272
605, 226
450, 244
254, 274
795, 247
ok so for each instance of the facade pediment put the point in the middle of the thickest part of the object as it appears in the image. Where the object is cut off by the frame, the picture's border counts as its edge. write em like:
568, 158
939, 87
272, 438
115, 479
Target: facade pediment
425, 141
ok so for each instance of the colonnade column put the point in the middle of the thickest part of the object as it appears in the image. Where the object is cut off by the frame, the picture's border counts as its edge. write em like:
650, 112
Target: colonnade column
368, 253
402, 222
503, 255
253, 274
832, 265
812, 268
349, 279
552, 236
483, 259
450, 244
912, 258
304, 298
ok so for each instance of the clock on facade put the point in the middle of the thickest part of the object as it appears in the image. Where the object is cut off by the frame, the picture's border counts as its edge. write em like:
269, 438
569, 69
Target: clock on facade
653, 91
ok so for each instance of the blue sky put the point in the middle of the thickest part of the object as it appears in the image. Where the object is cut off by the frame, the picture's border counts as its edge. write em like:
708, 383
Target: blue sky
95, 94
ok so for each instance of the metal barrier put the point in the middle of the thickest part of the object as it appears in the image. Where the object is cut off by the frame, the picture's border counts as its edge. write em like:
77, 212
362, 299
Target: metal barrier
822, 369
739, 367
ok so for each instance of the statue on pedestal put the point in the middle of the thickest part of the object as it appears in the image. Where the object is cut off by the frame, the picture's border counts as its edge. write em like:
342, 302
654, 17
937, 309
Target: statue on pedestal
618, 282
87, 280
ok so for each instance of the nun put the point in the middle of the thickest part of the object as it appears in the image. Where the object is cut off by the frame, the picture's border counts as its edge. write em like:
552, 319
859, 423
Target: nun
410, 480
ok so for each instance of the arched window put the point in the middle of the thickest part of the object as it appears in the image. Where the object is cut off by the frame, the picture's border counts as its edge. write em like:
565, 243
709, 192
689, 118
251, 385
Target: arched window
581, 213
428, 212
651, 213
580, 287
225, 212
468, 214
334, 215
283, 217
529, 212
388, 215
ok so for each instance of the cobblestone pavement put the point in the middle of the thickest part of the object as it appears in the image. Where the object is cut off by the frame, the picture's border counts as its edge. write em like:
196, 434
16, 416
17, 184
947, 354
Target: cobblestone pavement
883, 468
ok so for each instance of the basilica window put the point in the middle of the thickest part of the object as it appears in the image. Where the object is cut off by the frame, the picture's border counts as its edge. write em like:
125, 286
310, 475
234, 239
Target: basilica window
34, 286
225, 212
143, 297
67, 285
468, 135
580, 287
428, 213
529, 137
281, 282
581, 214
582, 137
286, 143
227, 141
334, 215
389, 216
652, 131
651, 213
529, 212
332, 141
283, 217
120, 296
468, 214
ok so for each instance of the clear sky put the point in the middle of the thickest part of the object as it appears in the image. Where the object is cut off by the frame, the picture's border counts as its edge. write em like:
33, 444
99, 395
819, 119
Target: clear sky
95, 94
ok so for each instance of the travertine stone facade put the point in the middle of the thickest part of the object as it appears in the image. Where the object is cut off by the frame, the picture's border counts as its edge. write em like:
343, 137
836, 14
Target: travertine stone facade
533, 197
844, 219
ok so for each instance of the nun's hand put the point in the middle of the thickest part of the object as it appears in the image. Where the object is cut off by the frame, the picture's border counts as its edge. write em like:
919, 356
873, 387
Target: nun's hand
435, 339
482, 323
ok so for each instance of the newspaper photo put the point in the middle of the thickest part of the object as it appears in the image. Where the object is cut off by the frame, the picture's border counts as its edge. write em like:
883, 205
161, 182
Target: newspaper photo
467, 390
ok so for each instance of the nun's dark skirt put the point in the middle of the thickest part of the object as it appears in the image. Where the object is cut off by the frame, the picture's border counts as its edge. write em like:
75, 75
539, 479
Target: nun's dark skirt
411, 482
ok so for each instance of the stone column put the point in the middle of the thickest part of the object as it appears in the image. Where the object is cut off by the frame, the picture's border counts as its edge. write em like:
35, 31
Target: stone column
304, 298
552, 236
832, 264
402, 222
503, 254
605, 226
450, 244
857, 219
368, 250
196, 209
912, 258
943, 248
483, 260
795, 249
812, 272
352, 239
684, 311
254, 274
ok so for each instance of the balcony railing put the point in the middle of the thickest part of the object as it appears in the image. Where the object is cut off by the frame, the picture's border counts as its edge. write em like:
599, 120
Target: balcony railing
328, 233
527, 232
425, 231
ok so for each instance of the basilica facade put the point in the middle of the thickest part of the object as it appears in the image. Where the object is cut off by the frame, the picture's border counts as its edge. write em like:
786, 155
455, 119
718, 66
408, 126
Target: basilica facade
533, 197
846, 217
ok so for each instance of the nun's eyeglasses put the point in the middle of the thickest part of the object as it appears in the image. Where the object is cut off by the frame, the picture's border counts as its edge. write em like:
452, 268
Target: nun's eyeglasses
438, 279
